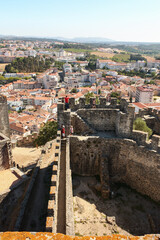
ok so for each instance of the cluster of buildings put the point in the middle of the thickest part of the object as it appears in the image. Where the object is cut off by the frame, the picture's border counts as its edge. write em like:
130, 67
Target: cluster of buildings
33, 102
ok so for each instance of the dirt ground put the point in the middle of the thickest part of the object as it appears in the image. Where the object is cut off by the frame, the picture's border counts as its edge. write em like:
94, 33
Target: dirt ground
149, 58
128, 213
7, 179
2, 66
25, 156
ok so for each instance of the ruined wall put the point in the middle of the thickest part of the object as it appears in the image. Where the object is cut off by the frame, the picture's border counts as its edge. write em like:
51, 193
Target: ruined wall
127, 162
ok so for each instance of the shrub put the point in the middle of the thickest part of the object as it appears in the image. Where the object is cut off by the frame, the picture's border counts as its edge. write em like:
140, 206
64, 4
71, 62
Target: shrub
140, 124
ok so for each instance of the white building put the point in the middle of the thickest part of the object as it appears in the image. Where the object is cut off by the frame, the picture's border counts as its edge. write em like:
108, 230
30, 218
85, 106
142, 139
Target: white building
140, 64
144, 95
60, 53
51, 80
67, 68
103, 63
110, 65
153, 64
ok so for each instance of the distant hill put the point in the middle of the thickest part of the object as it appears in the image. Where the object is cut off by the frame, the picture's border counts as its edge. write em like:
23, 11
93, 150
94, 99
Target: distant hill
87, 39
78, 39
93, 40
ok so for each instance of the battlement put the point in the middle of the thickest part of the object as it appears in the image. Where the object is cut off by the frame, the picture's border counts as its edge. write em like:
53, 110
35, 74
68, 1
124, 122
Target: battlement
101, 103
51, 220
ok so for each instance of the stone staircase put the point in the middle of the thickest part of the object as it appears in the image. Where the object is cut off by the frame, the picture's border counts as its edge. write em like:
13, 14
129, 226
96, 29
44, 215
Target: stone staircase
81, 126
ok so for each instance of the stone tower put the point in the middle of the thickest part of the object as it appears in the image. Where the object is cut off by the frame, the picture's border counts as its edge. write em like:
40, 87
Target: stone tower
4, 120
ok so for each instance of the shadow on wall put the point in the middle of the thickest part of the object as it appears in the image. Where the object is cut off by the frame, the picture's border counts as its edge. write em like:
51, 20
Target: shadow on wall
36, 211
10, 203
35, 214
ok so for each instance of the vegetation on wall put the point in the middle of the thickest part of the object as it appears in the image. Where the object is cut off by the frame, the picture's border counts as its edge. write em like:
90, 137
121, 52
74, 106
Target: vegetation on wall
140, 124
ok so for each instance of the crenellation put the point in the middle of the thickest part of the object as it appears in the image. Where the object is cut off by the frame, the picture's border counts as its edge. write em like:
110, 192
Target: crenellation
82, 102
113, 103
72, 104
103, 102
92, 102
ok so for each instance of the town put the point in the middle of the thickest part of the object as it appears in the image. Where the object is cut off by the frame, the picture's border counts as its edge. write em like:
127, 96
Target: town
73, 70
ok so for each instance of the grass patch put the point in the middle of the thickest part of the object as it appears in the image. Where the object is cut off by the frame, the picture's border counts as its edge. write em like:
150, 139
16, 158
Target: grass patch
77, 50
121, 58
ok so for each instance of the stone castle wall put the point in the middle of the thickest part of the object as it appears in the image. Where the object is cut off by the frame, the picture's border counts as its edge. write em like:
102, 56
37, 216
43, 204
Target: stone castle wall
127, 162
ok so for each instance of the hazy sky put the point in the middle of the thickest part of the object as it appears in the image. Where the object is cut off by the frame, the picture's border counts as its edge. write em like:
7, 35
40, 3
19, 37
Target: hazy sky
123, 20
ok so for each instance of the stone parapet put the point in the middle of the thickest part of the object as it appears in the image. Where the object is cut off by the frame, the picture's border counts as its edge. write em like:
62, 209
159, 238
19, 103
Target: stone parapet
51, 220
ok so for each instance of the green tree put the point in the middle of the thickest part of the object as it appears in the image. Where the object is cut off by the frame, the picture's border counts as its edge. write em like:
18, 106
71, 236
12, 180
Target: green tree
97, 100
140, 124
47, 133
99, 91
29, 64
88, 96
74, 90
130, 99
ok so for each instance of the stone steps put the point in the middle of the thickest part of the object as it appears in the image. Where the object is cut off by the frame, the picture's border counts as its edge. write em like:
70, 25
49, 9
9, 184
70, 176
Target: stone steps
85, 127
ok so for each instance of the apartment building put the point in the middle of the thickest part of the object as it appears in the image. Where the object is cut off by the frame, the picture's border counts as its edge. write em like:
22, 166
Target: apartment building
144, 95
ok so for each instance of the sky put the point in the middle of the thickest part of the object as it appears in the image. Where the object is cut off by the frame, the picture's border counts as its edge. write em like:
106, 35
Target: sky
121, 20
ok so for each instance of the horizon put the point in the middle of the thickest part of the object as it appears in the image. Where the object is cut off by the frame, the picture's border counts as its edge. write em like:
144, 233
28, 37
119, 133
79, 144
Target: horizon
73, 40
125, 21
